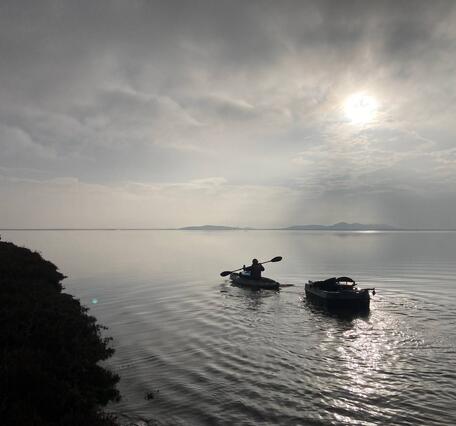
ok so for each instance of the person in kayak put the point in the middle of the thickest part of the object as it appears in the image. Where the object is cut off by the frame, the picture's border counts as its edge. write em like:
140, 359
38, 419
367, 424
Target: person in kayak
255, 270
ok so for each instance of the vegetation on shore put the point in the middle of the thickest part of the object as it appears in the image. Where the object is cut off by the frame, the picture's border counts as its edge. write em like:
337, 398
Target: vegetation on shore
50, 349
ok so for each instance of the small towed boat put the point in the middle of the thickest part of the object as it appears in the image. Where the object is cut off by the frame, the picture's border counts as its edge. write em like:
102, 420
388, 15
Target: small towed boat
339, 293
243, 279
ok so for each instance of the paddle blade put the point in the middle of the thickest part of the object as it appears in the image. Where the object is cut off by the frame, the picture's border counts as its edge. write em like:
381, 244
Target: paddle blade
225, 273
276, 259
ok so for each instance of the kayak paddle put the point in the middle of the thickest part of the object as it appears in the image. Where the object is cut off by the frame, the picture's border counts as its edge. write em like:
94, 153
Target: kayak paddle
275, 259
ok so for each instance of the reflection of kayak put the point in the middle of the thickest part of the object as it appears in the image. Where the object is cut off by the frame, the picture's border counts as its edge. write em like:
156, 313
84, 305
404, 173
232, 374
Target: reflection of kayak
244, 280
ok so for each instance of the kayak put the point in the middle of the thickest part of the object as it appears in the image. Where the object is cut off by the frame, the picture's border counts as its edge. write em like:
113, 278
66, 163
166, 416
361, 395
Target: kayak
332, 294
244, 280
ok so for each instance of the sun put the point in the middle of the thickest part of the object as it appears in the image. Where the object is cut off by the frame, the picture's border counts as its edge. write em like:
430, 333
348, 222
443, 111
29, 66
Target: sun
361, 108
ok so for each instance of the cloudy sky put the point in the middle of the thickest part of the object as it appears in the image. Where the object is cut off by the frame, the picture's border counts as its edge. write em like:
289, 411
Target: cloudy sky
263, 113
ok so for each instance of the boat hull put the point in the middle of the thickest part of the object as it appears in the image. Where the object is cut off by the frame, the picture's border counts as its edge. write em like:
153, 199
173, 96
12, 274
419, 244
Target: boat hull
353, 299
263, 283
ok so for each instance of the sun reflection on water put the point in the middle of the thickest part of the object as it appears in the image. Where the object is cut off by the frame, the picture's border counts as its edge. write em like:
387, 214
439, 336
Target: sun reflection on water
366, 355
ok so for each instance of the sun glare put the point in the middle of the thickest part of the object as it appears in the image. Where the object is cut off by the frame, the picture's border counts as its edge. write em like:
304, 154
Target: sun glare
360, 108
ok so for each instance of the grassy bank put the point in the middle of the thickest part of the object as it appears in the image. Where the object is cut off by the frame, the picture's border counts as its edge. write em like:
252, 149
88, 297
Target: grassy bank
50, 348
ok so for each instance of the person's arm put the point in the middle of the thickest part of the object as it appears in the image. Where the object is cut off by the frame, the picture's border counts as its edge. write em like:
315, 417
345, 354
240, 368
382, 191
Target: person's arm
261, 268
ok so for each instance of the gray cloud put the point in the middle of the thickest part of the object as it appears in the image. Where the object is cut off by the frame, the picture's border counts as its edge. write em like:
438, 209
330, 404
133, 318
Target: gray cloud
162, 92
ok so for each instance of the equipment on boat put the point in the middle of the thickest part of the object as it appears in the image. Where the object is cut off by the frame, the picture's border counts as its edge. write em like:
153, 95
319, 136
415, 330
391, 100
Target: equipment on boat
243, 280
339, 293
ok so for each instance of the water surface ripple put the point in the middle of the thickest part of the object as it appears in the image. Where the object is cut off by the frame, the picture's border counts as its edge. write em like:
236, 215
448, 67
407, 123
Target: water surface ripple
220, 355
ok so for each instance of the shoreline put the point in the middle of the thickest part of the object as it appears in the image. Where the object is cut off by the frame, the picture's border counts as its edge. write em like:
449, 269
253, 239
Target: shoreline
51, 347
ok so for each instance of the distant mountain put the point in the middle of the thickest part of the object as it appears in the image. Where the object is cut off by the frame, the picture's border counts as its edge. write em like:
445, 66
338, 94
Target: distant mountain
342, 226
211, 228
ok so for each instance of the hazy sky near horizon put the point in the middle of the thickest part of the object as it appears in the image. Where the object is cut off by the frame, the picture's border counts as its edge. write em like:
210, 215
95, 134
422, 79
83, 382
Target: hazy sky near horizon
172, 113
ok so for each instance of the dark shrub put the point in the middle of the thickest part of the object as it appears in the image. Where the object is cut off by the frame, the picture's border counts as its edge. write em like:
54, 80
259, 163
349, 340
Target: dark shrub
49, 349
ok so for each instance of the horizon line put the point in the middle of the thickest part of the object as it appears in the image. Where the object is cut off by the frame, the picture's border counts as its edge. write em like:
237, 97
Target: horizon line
233, 229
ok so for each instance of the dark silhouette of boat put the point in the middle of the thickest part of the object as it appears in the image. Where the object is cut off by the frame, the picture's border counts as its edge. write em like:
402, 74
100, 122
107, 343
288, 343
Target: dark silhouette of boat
243, 280
338, 293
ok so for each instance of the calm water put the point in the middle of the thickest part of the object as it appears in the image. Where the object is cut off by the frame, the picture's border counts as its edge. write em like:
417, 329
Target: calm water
220, 355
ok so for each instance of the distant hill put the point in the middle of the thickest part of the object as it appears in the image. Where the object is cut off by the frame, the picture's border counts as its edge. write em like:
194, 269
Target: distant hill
211, 228
342, 226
